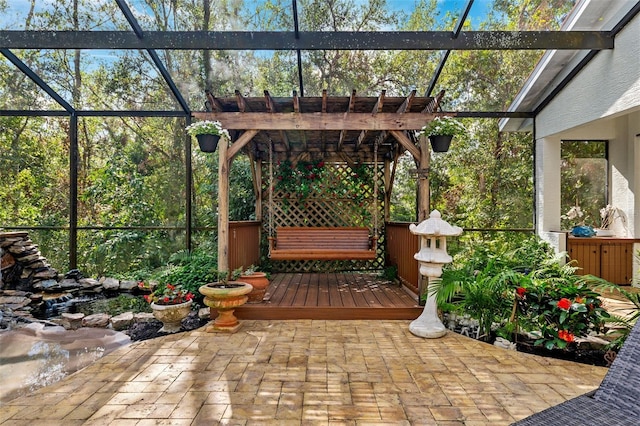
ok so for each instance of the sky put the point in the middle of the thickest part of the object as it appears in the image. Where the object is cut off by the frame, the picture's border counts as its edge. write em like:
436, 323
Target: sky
14, 16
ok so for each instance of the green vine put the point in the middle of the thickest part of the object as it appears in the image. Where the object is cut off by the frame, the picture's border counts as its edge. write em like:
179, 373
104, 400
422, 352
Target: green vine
299, 181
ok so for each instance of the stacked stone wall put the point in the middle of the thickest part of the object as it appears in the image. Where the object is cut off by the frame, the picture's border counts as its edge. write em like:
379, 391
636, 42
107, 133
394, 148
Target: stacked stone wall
22, 266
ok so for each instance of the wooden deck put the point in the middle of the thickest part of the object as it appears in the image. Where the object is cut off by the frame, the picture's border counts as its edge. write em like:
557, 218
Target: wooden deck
332, 295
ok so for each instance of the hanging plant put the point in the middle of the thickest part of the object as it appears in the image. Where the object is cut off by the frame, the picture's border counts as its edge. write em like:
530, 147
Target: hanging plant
444, 125
207, 128
208, 134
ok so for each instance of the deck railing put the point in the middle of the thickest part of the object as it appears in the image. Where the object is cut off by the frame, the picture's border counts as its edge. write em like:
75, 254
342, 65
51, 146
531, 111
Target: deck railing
401, 245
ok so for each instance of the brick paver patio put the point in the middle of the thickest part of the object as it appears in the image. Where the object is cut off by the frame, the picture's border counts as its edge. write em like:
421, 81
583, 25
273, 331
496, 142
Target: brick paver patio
306, 372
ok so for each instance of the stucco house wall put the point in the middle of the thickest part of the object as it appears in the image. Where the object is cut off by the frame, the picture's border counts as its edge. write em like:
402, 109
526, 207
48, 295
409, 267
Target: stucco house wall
601, 103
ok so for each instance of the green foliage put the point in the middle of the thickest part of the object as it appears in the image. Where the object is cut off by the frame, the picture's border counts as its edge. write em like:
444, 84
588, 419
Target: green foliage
190, 271
390, 273
561, 305
486, 299
583, 181
299, 180
622, 324
403, 196
242, 199
551, 299
444, 126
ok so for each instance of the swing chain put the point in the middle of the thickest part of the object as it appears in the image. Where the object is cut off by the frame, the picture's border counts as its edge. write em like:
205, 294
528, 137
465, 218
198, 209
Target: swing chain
270, 188
375, 188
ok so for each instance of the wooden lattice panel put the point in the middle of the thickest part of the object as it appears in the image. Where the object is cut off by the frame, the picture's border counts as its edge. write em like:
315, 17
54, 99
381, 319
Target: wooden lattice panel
343, 196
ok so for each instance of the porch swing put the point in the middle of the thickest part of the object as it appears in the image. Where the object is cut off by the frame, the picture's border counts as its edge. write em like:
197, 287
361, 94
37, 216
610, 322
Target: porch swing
323, 243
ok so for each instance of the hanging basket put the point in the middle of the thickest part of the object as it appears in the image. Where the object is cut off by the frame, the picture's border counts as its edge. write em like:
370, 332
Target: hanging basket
440, 143
208, 142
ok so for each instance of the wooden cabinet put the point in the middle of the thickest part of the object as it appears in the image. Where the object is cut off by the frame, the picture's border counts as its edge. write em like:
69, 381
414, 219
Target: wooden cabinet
607, 258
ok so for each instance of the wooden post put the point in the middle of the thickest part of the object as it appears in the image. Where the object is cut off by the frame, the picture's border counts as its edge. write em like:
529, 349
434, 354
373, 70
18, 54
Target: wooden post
225, 158
423, 179
423, 199
223, 206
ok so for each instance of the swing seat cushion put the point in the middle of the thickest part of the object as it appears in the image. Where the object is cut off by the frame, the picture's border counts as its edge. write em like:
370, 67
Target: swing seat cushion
322, 243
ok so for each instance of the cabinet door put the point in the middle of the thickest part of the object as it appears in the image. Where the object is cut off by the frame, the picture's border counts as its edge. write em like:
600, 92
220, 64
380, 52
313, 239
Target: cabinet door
616, 262
588, 257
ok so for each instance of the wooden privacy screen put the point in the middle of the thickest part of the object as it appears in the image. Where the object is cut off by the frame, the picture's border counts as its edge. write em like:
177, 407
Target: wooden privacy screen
244, 244
401, 246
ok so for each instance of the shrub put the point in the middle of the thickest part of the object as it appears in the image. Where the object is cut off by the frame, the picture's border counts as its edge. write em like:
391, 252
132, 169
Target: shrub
190, 271
560, 304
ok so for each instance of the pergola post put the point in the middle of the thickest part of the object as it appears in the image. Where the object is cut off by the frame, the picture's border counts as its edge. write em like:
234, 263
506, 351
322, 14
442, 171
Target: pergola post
423, 198
225, 158
423, 179
223, 207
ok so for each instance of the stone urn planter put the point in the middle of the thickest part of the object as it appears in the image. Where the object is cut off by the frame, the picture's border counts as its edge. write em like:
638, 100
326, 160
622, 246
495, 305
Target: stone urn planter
225, 298
259, 282
171, 316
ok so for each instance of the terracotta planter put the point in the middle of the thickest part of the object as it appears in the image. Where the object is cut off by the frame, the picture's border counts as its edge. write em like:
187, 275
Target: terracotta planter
208, 142
171, 316
440, 143
259, 282
225, 298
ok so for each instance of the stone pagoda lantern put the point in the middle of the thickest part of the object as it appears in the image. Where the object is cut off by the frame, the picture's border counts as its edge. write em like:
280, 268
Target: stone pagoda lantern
432, 257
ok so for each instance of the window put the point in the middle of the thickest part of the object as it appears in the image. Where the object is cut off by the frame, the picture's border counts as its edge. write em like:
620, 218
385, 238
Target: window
584, 179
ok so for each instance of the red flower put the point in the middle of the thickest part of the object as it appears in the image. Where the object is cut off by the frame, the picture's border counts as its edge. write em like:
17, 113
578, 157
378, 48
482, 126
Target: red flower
566, 336
564, 303
521, 291
166, 299
148, 298
171, 287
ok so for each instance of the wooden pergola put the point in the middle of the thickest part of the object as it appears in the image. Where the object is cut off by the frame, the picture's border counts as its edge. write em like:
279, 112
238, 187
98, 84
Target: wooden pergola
351, 129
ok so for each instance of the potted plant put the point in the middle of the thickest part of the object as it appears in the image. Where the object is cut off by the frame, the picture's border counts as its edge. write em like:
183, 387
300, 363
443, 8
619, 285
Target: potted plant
208, 134
257, 279
579, 229
608, 214
224, 297
170, 304
441, 131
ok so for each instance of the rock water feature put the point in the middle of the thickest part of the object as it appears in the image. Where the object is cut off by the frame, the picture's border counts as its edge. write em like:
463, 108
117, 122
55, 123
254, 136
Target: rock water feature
22, 266
44, 335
